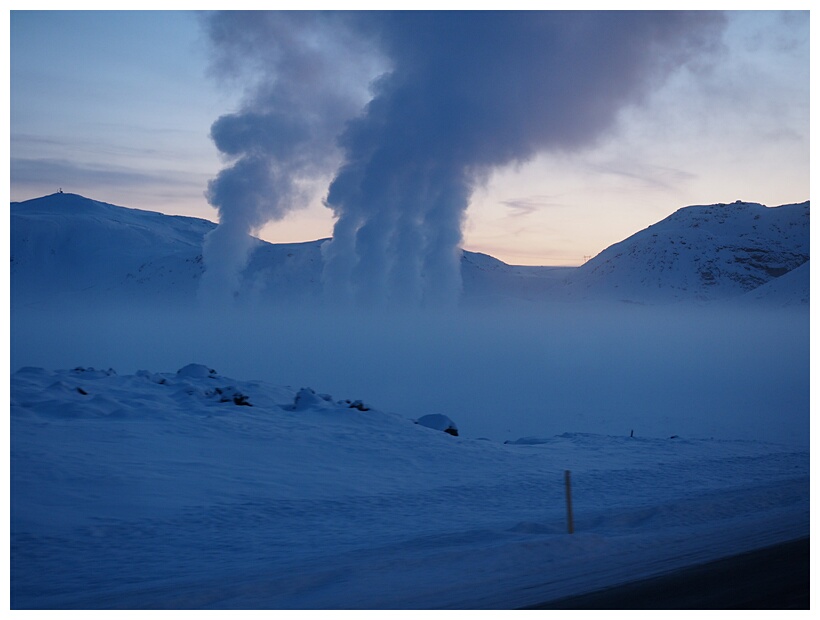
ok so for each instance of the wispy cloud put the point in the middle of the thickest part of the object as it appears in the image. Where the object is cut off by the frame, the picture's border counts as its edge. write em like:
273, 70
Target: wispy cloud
648, 176
153, 144
522, 207
64, 173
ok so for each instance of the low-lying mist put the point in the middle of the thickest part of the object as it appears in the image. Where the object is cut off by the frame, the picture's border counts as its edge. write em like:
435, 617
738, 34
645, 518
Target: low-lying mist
502, 374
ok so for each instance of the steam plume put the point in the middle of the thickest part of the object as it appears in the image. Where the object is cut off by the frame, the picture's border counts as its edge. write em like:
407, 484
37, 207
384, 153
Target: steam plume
283, 138
464, 93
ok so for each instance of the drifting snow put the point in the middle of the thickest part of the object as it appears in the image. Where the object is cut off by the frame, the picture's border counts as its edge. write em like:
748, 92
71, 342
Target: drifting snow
149, 491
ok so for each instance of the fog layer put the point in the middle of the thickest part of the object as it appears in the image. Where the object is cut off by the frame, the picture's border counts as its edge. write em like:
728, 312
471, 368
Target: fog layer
608, 369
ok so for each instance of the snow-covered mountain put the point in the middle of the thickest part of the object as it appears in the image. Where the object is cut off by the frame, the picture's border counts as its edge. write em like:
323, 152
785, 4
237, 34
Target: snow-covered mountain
67, 247
701, 253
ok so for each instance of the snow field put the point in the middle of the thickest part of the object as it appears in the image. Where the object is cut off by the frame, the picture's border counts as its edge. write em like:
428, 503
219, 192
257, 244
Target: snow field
148, 491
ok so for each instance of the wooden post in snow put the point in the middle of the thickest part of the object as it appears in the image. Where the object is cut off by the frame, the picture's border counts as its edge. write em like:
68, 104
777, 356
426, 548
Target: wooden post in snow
570, 526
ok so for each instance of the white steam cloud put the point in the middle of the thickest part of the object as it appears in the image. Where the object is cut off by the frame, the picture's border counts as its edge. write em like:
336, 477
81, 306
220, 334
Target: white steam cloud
459, 94
283, 137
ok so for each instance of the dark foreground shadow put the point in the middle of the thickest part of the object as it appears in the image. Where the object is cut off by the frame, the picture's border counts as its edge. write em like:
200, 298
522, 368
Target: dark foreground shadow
775, 577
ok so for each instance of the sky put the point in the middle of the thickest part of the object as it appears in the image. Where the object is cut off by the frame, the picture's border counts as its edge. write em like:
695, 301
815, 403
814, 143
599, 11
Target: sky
118, 107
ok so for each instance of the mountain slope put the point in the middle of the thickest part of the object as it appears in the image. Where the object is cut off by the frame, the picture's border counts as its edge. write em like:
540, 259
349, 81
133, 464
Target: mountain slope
699, 253
69, 248
788, 290
65, 245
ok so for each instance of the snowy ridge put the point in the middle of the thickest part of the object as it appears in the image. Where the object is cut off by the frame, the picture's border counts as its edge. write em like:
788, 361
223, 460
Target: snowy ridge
66, 246
166, 490
78, 249
699, 253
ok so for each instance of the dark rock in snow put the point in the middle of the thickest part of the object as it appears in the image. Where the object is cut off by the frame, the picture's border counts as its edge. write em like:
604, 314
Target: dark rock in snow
355, 404
229, 394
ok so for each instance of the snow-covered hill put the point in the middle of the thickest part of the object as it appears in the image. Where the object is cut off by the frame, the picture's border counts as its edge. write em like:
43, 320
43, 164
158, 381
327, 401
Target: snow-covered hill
68, 248
699, 253
191, 489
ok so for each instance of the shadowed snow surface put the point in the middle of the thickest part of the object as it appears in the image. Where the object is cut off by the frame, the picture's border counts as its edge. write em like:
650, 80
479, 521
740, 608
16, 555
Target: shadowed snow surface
152, 491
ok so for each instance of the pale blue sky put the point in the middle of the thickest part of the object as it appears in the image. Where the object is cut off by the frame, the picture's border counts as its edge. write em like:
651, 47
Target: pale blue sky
117, 106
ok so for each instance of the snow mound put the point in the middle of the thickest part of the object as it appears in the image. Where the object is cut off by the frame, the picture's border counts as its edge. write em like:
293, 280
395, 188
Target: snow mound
193, 390
307, 398
439, 422
196, 371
